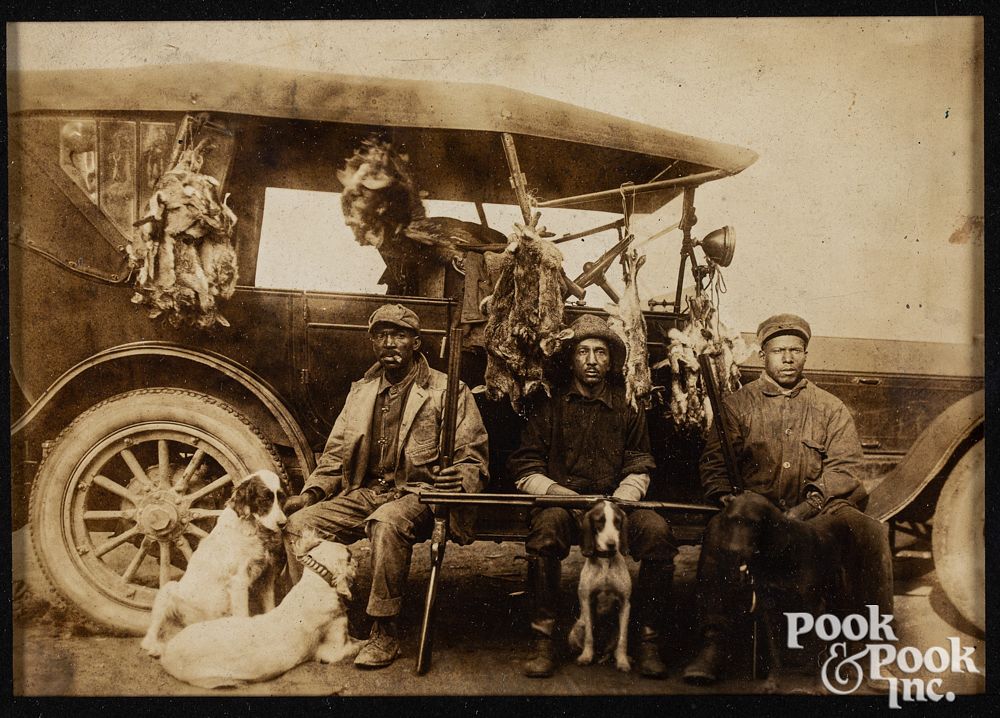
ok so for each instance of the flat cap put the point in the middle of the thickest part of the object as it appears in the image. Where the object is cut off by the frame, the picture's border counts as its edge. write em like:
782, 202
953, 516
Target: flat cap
593, 327
783, 324
395, 314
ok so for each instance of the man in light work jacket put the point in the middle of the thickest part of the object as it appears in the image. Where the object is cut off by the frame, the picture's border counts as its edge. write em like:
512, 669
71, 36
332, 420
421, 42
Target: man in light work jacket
797, 446
385, 447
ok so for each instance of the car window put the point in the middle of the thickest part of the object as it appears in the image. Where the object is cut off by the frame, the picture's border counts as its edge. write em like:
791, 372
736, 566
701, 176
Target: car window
305, 244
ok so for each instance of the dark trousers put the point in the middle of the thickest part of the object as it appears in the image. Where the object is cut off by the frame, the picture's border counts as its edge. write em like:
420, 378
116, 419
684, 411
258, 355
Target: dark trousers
553, 531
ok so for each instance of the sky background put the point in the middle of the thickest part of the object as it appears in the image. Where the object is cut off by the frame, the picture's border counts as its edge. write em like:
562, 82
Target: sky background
869, 133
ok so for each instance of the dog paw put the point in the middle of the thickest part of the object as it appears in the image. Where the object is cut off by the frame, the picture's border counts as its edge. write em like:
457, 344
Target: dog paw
153, 648
622, 664
585, 658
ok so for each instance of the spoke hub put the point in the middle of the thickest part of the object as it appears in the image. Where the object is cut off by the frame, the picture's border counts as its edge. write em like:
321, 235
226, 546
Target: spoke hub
159, 515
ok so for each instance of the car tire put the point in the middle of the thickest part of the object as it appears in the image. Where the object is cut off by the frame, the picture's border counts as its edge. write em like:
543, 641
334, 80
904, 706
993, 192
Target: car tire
958, 536
125, 493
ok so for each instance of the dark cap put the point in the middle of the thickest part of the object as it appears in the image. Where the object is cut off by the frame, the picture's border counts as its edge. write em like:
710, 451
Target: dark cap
592, 327
395, 314
783, 324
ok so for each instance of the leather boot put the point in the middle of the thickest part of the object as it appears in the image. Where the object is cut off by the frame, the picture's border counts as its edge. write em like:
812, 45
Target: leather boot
652, 596
650, 665
543, 586
706, 666
382, 646
542, 663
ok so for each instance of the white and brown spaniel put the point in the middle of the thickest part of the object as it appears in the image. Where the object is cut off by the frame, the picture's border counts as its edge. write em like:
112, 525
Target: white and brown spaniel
605, 587
239, 560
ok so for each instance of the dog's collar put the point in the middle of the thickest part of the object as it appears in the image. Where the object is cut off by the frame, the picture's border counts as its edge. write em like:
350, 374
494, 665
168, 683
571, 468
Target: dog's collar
606, 554
318, 568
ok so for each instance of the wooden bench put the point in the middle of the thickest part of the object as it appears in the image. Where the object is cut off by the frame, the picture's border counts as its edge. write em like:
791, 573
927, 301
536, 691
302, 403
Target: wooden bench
504, 517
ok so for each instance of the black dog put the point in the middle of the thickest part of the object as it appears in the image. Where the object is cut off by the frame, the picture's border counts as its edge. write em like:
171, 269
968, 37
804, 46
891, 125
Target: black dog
794, 565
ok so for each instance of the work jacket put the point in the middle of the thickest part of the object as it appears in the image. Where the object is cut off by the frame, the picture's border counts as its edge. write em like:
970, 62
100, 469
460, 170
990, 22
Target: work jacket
586, 444
786, 443
343, 465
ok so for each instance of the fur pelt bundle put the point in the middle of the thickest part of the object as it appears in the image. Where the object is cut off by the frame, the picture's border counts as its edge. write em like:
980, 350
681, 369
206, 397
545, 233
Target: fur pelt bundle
626, 320
182, 249
524, 316
382, 205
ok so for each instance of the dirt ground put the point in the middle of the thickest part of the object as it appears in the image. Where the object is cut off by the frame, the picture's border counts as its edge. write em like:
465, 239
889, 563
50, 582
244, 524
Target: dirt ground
481, 637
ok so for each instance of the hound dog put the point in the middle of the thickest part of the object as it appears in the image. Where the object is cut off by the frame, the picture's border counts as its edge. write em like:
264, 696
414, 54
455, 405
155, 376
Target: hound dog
310, 623
240, 557
794, 565
605, 586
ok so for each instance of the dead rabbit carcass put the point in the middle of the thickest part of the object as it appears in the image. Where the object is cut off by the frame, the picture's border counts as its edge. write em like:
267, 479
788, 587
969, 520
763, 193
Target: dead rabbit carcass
182, 249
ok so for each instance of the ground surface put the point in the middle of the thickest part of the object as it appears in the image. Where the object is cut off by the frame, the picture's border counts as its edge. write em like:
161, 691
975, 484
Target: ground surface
481, 638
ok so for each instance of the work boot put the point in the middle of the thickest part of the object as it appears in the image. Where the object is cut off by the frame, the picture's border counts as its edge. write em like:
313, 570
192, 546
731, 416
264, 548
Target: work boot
382, 645
650, 665
543, 587
651, 598
542, 663
705, 668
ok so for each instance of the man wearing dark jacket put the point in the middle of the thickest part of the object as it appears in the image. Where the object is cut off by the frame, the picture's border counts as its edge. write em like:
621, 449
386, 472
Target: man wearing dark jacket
797, 446
586, 439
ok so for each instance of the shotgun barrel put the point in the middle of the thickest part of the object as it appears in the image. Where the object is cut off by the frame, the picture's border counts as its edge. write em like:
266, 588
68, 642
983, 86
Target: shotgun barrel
728, 455
583, 501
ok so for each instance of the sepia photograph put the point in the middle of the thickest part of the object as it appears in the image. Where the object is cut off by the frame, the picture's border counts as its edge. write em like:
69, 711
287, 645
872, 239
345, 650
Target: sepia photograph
577, 357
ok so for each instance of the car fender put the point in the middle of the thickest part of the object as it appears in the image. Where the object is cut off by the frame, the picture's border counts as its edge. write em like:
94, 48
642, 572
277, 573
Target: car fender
264, 393
934, 449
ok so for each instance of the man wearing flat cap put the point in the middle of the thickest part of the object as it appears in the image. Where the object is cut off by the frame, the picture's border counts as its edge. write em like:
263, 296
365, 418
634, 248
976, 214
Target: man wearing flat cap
797, 446
383, 449
587, 439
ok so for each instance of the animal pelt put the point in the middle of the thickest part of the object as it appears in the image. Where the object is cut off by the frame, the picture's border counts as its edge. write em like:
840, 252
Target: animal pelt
626, 320
690, 407
182, 249
525, 313
382, 205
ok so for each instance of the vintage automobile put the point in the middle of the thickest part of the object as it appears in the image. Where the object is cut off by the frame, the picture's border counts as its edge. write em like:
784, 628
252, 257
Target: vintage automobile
128, 432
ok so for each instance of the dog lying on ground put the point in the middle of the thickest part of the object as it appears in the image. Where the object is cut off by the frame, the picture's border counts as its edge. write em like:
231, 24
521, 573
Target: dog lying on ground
310, 623
605, 587
241, 556
794, 565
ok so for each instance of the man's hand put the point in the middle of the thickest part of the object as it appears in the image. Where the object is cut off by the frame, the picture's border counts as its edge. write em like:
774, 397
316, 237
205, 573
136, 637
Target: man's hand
725, 499
448, 479
295, 503
801, 512
557, 490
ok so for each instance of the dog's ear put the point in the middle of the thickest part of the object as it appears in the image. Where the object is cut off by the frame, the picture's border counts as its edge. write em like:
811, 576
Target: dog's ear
623, 533
588, 544
306, 541
242, 499
344, 585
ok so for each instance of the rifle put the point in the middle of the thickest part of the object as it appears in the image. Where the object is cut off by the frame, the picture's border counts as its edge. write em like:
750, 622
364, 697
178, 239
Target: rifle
439, 534
712, 389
